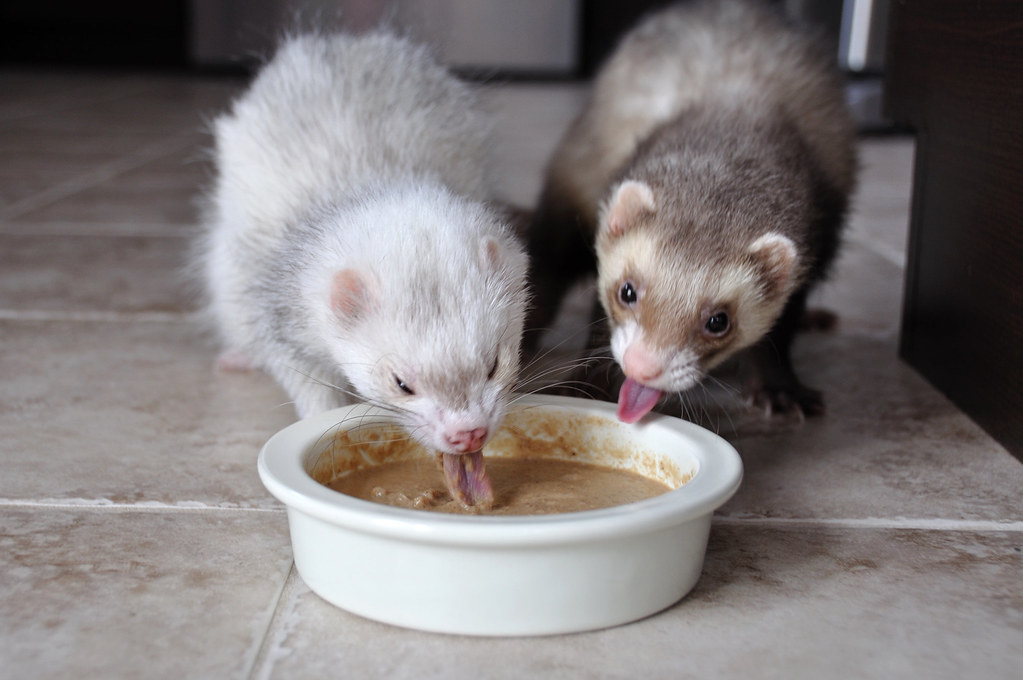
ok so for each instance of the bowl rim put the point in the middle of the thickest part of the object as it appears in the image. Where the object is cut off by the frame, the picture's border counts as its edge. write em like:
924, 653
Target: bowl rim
718, 476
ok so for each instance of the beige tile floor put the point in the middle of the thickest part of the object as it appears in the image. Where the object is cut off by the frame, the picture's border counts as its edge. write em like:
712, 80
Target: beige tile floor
882, 541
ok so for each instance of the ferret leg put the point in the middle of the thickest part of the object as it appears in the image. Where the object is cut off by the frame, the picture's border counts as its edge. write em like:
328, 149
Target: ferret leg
235, 360
771, 383
310, 393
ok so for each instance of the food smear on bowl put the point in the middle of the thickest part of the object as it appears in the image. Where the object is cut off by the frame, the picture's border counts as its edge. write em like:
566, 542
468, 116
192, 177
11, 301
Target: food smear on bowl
521, 486
540, 462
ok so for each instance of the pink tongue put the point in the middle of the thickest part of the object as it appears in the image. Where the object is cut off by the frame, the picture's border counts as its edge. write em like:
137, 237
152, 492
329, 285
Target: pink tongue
465, 475
635, 401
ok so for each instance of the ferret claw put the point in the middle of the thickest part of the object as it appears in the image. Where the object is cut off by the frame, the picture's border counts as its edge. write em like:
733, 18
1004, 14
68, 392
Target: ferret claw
799, 401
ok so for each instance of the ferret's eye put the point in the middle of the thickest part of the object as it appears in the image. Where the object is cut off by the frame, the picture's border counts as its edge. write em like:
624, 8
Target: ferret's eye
402, 385
627, 294
718, 324
493, 369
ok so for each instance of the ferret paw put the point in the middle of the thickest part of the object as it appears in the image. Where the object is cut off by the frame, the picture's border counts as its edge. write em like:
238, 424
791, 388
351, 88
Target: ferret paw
818, 320
797, 400
235, 361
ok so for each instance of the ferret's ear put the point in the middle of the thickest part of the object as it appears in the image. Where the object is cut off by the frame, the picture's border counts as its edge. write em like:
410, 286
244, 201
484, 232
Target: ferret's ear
490, 254
628, 203
775, 255
350, 295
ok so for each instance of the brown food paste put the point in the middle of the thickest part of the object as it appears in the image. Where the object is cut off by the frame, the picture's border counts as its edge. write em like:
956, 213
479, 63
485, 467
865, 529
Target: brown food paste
522, 486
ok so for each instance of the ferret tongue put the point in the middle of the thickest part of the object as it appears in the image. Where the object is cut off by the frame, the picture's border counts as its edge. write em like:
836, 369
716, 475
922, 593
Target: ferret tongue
465, 475
635, 401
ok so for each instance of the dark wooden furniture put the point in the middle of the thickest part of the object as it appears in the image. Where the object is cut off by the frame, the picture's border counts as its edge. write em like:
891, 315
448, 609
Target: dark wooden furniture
954, 73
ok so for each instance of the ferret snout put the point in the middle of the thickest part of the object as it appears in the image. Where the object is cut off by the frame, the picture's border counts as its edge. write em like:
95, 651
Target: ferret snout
640, 364
467, 441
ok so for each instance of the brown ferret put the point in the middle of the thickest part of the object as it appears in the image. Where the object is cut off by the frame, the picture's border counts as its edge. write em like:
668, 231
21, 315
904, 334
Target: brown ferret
712, 170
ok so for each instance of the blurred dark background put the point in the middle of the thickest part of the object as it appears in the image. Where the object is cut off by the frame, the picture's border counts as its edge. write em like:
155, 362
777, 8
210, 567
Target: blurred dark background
496, 39
528, 38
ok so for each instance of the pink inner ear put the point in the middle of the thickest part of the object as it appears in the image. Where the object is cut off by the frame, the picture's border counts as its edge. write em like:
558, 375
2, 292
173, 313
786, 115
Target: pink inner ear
490, 254
348, 295
776, 255
630, 201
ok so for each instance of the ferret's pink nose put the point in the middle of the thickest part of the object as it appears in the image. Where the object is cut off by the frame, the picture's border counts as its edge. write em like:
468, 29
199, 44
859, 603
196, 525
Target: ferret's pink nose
466, 441
640, 365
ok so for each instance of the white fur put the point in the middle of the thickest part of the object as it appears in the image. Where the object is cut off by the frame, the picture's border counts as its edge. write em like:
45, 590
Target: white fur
363, 153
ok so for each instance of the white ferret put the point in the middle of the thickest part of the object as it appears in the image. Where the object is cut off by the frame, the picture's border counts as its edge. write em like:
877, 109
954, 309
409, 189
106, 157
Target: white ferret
349, 250
710, 173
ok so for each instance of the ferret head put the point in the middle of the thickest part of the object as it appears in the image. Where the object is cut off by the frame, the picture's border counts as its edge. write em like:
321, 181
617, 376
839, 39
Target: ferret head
678, 306
427, 322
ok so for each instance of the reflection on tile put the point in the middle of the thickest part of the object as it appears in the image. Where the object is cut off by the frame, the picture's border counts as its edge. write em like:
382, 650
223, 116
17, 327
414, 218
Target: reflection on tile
137, 594
880, 212
129, 413
158, 183
35, 93
58, 136
864, 291
123, 202
23, 175
889, 446
883, 604
85, 274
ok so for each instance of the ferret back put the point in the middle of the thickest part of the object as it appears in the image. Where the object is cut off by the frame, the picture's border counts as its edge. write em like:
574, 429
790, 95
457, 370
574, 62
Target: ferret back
330, 114
734, 53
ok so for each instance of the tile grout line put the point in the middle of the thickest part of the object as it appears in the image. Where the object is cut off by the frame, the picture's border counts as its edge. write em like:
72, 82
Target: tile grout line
926, 524
114, 506
97, 316
267, 650
150, 230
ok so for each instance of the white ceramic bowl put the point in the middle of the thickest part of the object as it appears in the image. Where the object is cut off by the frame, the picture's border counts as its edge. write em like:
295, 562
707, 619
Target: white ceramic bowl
524, 575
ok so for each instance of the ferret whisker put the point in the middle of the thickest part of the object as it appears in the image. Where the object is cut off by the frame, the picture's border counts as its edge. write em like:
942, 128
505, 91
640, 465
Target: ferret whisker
730, 391
708, 418
687, 411
355, 397
342, 424
588, 358
548, 351
723, 408
331, 431
283, 404
600, 352
555, 376
554, 370
709, 398
352, 396
572, 336
595, 357
580, 387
